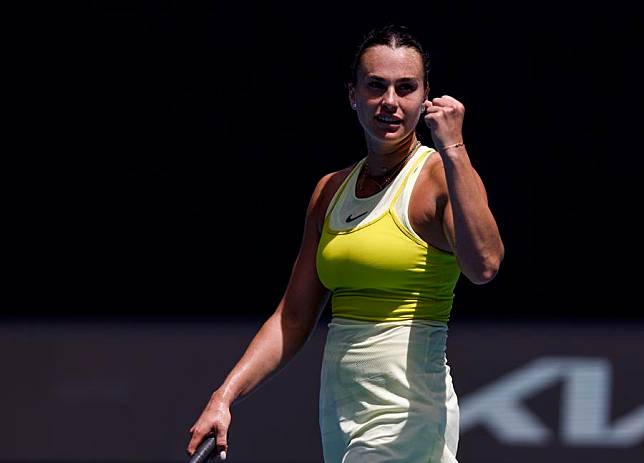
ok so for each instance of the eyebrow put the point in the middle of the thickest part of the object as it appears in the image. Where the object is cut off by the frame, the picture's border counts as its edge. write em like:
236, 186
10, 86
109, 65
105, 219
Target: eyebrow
402, 79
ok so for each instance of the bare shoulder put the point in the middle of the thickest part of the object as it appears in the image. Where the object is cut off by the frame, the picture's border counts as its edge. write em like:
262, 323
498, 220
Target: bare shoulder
436, 174
428, 201
434, 169
433, 173
324, 191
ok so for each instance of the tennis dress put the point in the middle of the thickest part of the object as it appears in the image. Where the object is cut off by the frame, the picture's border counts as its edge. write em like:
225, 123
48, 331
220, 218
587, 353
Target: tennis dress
386, 393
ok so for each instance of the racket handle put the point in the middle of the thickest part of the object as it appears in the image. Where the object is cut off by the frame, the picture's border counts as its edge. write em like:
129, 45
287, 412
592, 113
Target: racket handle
204, 451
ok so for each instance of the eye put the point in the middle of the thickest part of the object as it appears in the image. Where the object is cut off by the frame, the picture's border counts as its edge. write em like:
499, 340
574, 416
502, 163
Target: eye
407, 88
375, 84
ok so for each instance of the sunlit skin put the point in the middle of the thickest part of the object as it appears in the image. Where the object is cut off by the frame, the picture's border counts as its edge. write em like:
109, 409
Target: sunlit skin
389, 82
448, 209
448, 206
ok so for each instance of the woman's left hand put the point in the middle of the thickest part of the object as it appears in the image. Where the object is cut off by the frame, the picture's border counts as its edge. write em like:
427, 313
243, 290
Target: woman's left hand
444, 117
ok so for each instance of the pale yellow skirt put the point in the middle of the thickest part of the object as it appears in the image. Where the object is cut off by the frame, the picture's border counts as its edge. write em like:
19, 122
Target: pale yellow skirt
386, 393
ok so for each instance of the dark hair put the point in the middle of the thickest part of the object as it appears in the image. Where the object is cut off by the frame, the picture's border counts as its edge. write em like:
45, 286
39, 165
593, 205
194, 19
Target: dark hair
393, 36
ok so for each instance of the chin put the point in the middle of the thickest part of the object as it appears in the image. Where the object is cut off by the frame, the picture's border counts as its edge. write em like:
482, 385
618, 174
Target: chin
386, 136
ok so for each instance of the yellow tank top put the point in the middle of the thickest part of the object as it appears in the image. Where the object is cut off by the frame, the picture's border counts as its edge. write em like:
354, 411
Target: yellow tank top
372, 260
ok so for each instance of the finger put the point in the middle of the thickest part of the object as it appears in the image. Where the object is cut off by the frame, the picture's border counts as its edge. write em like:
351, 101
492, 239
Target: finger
451, 100
222, 439
447, 101
434, 112
433, 117
197, 437
441, 112
434, 109
439, 101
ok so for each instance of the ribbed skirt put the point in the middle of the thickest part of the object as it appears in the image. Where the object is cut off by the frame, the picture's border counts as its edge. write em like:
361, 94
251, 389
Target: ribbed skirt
386, 393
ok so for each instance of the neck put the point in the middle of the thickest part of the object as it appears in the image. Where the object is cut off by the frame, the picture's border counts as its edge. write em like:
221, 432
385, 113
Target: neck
382, 157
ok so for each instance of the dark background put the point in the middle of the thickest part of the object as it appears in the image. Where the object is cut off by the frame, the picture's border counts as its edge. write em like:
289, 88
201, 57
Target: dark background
160, 155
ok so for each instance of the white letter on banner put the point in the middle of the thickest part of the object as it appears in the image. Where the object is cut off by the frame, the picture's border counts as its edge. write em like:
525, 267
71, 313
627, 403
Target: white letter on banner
584, 411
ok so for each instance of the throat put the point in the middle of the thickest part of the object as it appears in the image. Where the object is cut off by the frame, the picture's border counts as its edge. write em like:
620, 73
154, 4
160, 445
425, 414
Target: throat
367, 189
368, 184
384, 158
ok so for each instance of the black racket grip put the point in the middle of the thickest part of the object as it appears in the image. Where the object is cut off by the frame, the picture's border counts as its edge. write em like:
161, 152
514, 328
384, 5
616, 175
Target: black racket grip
204, 451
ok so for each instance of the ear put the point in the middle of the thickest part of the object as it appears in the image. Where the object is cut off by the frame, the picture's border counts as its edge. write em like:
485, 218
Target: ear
352, 94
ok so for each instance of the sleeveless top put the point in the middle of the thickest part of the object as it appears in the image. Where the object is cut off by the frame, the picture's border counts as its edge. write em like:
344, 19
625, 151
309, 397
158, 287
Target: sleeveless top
372, 260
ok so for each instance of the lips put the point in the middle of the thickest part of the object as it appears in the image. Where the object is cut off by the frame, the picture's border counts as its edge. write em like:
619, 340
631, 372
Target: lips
388, 119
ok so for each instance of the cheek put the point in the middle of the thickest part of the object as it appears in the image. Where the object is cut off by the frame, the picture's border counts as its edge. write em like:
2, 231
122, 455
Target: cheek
363, 117
416, 109
413, 113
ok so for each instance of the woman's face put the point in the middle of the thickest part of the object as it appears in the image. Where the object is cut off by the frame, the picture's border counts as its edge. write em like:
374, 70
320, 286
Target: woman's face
389, 92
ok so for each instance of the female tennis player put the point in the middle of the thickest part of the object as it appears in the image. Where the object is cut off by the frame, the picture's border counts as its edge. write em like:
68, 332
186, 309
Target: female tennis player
387, 238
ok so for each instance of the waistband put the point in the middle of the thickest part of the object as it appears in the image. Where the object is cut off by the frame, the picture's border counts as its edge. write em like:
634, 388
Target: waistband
351, 322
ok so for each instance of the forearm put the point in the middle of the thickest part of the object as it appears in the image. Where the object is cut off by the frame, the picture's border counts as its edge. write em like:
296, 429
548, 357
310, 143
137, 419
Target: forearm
273, 346
477, 241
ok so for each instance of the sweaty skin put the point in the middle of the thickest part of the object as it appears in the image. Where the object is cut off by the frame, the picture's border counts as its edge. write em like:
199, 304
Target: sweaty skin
448, 209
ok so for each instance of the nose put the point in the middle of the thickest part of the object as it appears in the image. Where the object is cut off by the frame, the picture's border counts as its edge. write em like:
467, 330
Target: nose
389, 99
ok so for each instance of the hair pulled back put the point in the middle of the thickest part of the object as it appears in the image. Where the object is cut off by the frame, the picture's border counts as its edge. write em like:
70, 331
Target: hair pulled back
391, 35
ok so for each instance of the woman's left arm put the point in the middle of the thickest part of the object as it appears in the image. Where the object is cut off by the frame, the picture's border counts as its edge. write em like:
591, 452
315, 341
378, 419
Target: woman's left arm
468, 222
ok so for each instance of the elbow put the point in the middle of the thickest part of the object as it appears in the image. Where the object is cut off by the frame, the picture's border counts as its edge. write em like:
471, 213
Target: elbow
484, 277
486, 271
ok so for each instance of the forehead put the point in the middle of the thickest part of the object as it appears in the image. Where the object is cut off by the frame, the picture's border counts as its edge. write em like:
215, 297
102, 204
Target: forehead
391, 63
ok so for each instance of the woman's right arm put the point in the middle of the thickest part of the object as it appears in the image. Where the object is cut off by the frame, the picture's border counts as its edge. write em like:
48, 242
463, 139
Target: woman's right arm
279, 338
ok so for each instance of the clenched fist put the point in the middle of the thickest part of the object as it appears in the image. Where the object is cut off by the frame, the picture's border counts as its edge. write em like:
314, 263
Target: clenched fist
444, 117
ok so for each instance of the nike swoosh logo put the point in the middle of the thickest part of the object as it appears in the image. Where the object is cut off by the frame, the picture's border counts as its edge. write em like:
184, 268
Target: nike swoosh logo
351, 219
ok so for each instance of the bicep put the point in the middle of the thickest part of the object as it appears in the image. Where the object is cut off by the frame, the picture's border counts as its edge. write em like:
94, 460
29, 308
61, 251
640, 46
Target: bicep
448, 216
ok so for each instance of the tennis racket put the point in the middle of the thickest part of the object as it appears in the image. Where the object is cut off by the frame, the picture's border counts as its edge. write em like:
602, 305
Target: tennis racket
204, 453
